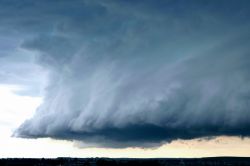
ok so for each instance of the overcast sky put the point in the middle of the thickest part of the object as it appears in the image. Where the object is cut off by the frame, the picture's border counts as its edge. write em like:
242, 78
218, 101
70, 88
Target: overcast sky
117, 75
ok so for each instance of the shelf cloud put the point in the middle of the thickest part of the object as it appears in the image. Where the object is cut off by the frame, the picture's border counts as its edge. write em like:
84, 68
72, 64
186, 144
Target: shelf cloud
137, 73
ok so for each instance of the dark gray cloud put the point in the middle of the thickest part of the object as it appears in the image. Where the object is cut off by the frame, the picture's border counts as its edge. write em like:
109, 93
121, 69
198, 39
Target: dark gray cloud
133, 73
18, 68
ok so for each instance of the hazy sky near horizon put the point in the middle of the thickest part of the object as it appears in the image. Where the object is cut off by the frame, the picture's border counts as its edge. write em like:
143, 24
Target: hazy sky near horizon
166, 78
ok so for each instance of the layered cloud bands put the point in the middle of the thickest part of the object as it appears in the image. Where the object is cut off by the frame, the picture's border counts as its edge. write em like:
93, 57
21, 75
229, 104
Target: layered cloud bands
137, 73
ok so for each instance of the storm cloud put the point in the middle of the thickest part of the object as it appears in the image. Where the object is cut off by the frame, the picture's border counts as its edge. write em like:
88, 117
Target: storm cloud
137, 73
